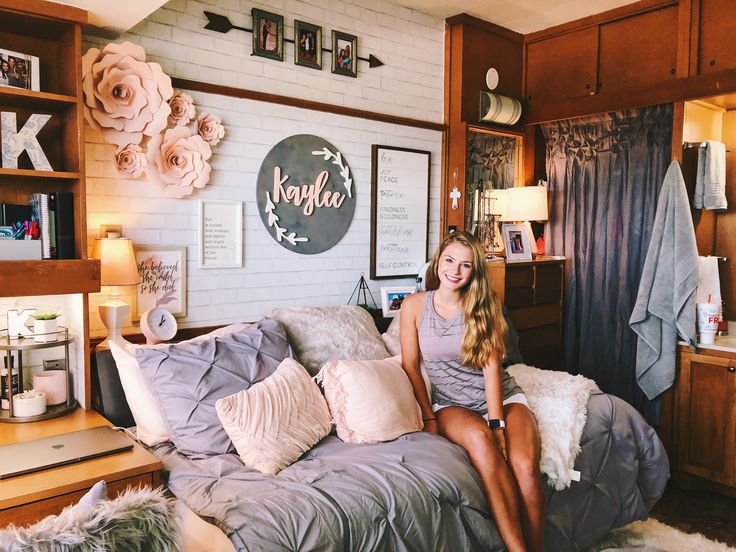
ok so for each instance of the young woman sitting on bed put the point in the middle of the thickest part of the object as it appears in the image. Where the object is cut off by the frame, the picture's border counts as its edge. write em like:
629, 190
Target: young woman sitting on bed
458, 329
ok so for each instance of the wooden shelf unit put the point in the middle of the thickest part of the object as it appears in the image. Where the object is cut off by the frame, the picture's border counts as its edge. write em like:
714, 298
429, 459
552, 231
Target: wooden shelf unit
53, 33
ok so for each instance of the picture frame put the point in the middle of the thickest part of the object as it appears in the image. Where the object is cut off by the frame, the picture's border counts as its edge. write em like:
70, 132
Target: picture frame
163, 270
268, 34
220, 233
392, 297
19, 70
344, 54
307, 45
517, 243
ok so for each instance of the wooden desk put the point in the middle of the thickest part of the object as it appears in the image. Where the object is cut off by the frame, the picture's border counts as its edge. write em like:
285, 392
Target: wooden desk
28, 498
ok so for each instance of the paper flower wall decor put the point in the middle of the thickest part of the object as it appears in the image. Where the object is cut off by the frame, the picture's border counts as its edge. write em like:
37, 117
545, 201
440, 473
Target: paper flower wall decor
125, 96
130, 160
133, 104
178, 161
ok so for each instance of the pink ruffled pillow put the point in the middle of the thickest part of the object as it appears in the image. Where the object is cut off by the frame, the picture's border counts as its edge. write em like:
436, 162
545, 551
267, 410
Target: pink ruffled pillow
370, 400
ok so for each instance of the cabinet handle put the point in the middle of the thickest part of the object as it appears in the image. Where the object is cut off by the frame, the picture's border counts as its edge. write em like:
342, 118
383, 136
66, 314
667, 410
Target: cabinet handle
712, 62
732, 369
673, 71
587, 86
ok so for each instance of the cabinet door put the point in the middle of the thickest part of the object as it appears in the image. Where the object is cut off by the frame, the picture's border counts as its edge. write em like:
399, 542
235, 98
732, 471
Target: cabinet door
562, 67
706, 404
638, 51
717, 36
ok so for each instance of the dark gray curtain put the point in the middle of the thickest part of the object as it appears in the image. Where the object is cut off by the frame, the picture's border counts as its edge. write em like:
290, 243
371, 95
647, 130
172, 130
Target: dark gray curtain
604, 175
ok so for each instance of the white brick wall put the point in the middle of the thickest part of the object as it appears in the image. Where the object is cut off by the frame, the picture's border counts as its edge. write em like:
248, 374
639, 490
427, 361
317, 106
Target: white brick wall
409, 85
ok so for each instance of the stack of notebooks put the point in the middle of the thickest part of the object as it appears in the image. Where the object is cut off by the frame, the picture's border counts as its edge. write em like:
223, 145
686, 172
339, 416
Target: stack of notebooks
54, 215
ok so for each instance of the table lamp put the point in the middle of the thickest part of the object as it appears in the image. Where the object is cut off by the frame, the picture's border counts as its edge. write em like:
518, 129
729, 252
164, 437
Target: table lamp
524, 204
118, 268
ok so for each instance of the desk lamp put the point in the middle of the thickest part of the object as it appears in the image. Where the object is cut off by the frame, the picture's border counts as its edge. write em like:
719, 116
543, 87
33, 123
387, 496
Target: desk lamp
524, 204
117, 263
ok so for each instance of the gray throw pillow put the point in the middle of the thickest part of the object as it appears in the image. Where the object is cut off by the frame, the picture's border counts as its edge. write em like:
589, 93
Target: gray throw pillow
188, 378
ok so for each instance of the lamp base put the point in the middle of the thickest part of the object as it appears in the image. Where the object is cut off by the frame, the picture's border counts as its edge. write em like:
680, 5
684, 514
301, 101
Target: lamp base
113, 313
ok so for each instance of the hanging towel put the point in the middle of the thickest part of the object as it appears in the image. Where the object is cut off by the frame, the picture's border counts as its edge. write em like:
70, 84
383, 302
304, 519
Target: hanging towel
709, 288
710, 183
665, 304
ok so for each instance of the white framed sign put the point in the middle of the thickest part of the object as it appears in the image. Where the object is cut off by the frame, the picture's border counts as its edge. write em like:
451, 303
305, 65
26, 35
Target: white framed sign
163, 271
220, 233
399, 211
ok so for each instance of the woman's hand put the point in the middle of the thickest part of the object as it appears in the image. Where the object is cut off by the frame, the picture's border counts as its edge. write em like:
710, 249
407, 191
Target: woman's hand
431, 426
501, 439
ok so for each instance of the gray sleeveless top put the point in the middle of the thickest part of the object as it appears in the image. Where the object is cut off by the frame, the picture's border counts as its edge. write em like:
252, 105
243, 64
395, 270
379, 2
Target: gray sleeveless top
452, 383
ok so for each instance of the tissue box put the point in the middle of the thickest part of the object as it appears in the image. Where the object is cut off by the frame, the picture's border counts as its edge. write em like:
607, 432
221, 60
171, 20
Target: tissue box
20, 250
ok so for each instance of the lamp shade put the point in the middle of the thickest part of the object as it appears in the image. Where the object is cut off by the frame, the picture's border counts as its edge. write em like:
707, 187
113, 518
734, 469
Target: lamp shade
526, 203
498, 202
117, 261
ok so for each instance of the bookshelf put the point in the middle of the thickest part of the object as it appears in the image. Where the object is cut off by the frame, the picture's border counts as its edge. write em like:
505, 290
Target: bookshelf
53, 33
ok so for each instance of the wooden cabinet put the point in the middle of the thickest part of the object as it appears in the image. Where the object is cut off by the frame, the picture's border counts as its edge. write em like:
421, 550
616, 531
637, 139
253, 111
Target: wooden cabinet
51, 32
706, 416
638, 51
715, 41
28, 498
562, 67
533, 295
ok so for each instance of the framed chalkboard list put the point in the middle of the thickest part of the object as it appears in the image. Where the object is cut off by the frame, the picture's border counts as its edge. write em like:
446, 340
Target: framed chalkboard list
399, 211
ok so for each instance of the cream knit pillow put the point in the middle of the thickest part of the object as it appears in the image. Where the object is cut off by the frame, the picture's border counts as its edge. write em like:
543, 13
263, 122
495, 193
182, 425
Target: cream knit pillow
275, 421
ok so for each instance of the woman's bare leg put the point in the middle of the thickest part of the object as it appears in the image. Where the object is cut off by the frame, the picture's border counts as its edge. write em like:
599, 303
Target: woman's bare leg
469, 430
523, 448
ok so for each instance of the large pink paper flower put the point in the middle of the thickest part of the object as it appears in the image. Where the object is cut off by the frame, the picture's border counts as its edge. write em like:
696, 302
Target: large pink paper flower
130, 160
210, 128
182, 108
178, 161
124, 96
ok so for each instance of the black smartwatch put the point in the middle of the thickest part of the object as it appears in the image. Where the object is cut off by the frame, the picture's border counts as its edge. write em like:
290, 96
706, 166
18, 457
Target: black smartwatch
495, 423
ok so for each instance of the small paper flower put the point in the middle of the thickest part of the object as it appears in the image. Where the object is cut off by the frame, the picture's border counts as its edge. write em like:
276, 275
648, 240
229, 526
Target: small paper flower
177, 160
182, 108
130, 160
124, 96
210, 128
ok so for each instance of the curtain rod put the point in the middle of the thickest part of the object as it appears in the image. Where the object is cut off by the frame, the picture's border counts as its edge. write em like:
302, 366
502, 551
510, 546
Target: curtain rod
688, 145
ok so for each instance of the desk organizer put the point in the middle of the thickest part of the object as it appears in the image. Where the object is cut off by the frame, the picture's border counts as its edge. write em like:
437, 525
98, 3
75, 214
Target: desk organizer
17, 345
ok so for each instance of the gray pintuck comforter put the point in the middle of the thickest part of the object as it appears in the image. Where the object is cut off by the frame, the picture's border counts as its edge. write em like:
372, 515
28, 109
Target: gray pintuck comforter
419, 492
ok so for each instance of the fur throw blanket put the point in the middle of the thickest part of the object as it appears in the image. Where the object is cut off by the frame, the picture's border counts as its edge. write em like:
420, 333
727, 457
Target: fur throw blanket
139, 520
559, 401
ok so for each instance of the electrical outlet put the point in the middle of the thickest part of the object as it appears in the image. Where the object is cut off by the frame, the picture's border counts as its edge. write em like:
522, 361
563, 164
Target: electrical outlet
57, 364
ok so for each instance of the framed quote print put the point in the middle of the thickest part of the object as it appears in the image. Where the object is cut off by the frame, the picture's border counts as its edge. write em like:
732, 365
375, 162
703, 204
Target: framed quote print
220, 233
163, 272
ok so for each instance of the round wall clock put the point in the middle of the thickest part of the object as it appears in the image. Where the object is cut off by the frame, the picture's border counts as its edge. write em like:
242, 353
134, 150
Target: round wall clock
158, 325
305, 194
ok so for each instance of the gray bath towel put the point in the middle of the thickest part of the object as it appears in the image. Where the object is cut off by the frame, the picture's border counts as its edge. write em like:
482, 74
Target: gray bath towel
710, 183
665, 304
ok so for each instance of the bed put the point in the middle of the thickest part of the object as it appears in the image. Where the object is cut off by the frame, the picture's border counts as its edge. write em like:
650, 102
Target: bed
417, 492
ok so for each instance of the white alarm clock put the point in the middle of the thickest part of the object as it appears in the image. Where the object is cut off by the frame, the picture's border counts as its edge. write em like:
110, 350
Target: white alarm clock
158, 325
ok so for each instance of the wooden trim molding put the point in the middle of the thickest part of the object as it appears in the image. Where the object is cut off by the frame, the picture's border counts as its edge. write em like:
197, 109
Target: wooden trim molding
465, 19
247, 94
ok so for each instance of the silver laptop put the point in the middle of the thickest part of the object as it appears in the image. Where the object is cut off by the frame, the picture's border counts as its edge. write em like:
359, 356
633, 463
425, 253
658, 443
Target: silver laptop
66, 448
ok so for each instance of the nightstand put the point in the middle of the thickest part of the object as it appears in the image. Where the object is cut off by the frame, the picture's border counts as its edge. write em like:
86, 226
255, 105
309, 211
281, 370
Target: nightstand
28, 498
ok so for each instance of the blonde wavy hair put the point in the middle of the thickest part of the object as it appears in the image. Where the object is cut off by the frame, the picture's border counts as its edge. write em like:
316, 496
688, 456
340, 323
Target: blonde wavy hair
486, 328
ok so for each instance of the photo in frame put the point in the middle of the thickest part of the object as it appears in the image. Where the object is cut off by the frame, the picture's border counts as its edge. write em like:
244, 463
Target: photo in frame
163, 271
344, 54
268, 34
19, 70
307, 45
220, 233
517, 243
392, 297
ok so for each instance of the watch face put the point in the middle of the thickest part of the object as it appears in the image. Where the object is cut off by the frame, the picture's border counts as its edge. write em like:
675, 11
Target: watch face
161, 324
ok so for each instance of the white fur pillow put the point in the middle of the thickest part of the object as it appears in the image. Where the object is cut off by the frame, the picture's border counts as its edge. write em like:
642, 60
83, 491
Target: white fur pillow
151, 428
370, 400
322, 334
391, 338
275, 421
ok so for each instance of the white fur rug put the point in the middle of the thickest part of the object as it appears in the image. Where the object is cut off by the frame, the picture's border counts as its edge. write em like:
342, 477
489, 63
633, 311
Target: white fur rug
559, 401
654, 536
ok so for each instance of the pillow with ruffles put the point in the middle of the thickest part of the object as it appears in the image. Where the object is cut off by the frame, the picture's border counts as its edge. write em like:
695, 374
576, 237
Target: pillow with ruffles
151, 428
371, 401
322, 334
188, 378
275, 421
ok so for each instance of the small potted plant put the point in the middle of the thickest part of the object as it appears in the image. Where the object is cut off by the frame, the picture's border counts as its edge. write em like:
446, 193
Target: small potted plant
45, 327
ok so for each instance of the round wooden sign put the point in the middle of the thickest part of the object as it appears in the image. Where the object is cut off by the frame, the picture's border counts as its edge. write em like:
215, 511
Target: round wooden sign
305, 194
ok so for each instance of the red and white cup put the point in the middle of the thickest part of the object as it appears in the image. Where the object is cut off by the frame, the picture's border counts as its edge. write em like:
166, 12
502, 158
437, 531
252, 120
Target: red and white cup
709, 315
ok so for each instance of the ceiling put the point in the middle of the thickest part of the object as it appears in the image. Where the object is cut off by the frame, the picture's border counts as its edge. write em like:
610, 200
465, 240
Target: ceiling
522, 16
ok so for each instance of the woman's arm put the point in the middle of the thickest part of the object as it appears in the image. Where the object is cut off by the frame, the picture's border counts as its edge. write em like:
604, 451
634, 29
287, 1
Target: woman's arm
494, 396
411, 309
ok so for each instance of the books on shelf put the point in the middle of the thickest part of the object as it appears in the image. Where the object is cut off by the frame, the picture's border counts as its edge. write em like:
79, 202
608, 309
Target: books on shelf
54, 213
